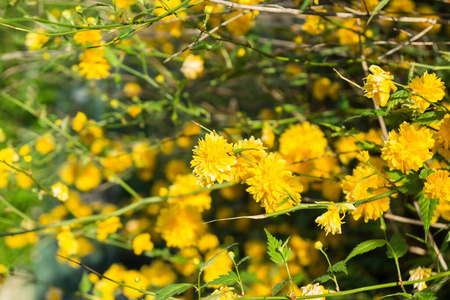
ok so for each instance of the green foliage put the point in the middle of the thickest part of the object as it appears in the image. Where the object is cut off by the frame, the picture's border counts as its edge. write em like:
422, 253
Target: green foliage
426, 294
427, 208
399, 97
208, 263
172, 290
365, 247
339, 267
429, 117
276, 288
278, 251
377, 8
399, 246
227, 279
85, 284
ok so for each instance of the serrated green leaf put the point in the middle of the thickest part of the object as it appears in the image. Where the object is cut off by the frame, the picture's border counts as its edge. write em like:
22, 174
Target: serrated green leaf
244, 259
427, 208
172, 290
85, 284
429, 117
323, 278
424, 173
399, 246
305, 4
278, 287
338, 267
377, 8
365, 247
370, 113
212, 297
446, 241
400, 96
205, 265
272, 248
224, 279
426, 294
412, 184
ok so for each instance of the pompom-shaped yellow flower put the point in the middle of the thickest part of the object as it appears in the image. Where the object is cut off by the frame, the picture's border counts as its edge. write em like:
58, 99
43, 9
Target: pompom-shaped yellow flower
107, 227
253, 154
313, 25
92, 37
60, 191
409, 148
67, 242
331, 220
365, 183
428, 86
45, 144
192, 67
180, 226
302, 141
379, 85
443, 135
437, 186
213, 160
142, 243
420, 273
272, 184
159, 273
182, 186
93, 64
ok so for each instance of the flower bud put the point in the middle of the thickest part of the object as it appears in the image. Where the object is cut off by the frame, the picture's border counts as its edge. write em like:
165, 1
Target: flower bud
318, 245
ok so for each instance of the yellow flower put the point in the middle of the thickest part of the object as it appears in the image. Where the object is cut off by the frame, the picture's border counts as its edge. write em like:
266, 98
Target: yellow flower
379, 85
331, 220
35, 41
313, 25
185, 184
124, 4
93, 64
221, 265
226, 293
207, 242
408, 149
363, 156
108, 226
142, 243
192, 67
45, 144
60, 191
79, 122
180, 226
428, 86
88, 177
267, 135
174, 168
21, 240
132, 89
246, 158
437, 186
303, 249
24, 181
365, 183
159, 273
134, 110
213, 160
24, 150
54, 293
320, 88
443, 135
137, 280
314, 289
418, 274
349, 37
273, 185
92, 37
67, 242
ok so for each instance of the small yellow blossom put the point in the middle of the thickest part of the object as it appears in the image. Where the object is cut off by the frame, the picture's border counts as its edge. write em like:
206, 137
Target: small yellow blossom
54, 293
21, 240
409, 148
437, 186
107, 227
425, 89
226, 293
24, 150
207, 242
379, 85
124, 4
192, 67
45, 144
363, 156
142, 243
137, 280
132, 89
313, 25
321, 87
79, 122
67, 242
35, 41
134, 111
443, 135
93, 64
24, 181
331, 220
92, 37
159, 273
418, 274
60, 191
180, 226
213, 160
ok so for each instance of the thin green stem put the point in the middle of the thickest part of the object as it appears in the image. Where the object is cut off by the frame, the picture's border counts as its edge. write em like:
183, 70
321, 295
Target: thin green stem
329, 264
15, 210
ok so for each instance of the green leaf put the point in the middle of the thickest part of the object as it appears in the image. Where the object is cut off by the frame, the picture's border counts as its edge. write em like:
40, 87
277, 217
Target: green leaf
369, 113
338, 267
249, 277
424, 173
305, 4
427, 208
377, 8
272, 248
446, 241
429, 117
323, 278
85, 285
390, 296
244, 259
399, 246
172, 290
396, 98
225, 279
206, 265
426, 294
365, 247
412, 184
278, 287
